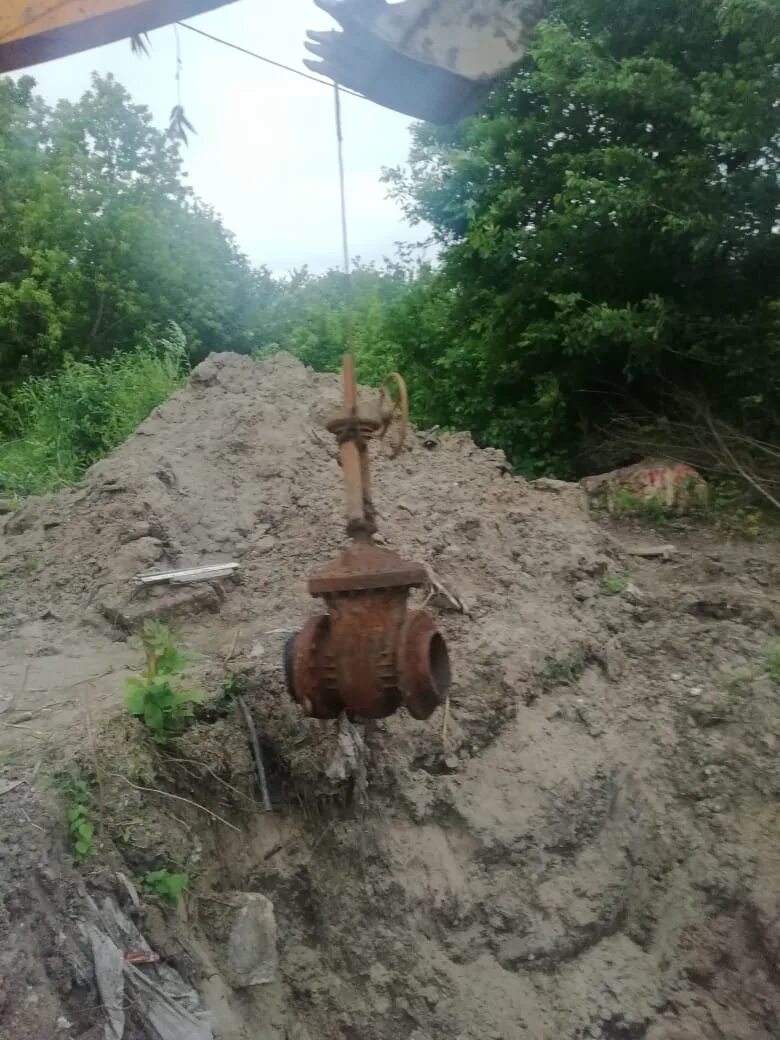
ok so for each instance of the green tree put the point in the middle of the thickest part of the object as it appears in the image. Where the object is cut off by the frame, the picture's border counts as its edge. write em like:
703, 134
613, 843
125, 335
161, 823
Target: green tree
102, 242
610, 226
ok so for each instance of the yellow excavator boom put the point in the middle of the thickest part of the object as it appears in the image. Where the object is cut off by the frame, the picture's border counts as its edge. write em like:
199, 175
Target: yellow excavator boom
34, 31
432, 59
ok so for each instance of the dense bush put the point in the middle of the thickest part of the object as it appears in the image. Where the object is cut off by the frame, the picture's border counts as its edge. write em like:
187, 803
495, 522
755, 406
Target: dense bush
610, 226
610, 259
59, 425
102, 242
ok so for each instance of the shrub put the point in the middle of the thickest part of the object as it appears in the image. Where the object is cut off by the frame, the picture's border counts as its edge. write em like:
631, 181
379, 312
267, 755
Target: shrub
61, 424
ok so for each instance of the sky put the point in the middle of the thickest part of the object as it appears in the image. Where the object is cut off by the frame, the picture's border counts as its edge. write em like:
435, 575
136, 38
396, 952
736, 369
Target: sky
265, 151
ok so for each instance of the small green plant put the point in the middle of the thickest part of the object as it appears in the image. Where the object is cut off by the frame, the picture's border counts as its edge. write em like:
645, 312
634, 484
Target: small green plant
772, 662
234, 686
53, 427
559, 671
80, 827
615, 584
155, 696
166, 886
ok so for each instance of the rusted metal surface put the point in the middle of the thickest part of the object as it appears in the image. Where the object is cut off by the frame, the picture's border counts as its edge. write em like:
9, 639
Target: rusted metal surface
368, 655
365, 566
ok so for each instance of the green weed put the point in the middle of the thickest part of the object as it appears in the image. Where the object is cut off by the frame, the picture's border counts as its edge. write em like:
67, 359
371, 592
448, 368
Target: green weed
81, 829
622, 502
62, 424
615, 584
560, 671
166, 886
154, 696
234, 686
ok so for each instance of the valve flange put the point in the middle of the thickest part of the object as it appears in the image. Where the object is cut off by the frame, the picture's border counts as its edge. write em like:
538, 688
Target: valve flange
369, 655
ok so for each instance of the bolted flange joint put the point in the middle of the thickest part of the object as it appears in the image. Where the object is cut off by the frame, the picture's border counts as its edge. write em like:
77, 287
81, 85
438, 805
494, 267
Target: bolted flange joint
368, 655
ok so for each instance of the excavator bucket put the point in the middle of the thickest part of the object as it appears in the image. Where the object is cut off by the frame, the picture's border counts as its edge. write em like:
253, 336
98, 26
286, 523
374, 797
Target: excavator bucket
431, 59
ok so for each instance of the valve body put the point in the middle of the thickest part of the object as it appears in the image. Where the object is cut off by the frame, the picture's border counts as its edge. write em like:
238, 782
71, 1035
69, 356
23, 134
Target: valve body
368, 655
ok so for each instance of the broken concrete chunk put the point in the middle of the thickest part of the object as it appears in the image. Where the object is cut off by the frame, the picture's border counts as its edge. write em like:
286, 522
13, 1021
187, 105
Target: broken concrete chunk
251, 957
673, 485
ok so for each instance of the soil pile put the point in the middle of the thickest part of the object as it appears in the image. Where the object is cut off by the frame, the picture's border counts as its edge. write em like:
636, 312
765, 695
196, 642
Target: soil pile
589, 849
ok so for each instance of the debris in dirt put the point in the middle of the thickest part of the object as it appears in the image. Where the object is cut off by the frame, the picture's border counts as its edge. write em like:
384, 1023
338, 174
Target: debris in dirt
130, 889
572, 494
649, 551
256, 754
110, 981
248, 929
348, 760
674, 485
440, 596
142, 957
6, 786
188, 575
169, 1009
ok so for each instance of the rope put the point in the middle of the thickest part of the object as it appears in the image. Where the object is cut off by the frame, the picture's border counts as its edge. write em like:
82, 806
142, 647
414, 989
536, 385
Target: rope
342, 185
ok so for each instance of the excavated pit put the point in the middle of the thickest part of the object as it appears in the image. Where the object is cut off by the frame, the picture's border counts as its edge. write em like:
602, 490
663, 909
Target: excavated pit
589, 847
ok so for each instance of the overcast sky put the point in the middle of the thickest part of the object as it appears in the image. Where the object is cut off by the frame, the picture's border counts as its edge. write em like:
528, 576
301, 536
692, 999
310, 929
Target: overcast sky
264, 155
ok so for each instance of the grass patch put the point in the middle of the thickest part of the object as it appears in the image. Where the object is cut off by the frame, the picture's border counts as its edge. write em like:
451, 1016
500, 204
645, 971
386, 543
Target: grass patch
615, 584
60, 425
166, 885
560, 671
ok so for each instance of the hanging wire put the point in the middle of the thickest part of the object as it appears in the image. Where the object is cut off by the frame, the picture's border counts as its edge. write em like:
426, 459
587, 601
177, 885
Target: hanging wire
267, 61
342, 179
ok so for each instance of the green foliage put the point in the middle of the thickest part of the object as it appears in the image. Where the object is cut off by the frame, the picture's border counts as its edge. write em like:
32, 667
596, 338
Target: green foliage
234, 686
609, 226
59, 425
103, 243
155, 697
560, 671
615, 584
81, 829
166, 886
736, 512
650, 508
608, 234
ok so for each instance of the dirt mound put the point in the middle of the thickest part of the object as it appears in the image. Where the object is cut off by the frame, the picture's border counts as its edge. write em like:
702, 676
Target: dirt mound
590, 849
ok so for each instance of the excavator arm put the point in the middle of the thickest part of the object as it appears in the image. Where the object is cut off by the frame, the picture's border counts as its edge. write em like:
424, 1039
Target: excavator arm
431, 59
34, 31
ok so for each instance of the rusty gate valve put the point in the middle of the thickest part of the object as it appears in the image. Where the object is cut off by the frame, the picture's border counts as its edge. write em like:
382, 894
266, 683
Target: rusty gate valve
369, 655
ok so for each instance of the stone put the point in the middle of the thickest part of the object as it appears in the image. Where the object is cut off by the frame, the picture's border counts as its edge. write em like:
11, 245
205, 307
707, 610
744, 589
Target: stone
550, 484
672, 485
251, 957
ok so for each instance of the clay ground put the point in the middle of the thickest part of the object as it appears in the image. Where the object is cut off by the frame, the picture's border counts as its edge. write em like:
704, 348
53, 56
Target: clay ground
591, 848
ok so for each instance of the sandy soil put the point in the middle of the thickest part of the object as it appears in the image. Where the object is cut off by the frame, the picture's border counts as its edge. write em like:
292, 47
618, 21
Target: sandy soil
590, 849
